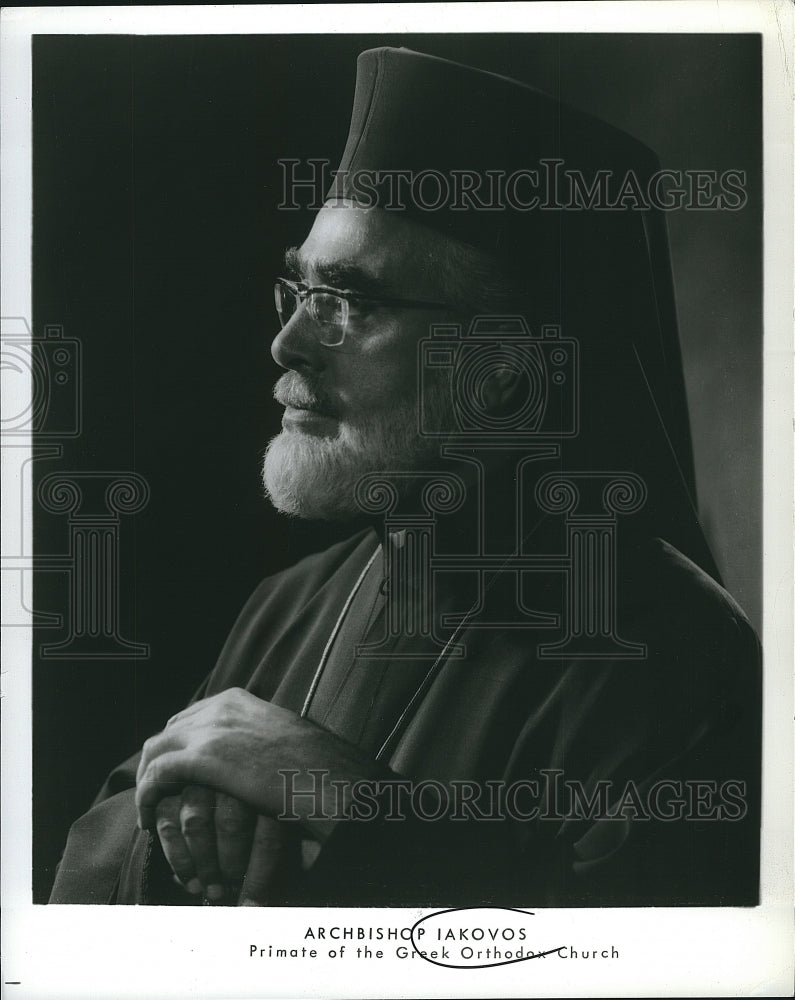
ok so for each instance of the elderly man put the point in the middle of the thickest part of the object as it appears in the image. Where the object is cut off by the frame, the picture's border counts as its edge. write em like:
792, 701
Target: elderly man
560, 763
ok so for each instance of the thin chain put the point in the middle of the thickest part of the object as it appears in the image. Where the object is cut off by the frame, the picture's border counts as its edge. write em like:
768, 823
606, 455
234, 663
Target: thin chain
424, 683
338, 624
405, 715
419, 693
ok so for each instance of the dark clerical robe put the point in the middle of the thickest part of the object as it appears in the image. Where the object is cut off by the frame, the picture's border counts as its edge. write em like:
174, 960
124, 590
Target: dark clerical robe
680, 726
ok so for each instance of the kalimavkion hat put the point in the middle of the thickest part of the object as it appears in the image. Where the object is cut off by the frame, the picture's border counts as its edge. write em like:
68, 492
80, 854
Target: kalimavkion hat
474, 154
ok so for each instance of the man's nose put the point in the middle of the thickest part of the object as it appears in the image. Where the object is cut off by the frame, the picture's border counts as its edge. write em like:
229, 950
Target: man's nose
296, 345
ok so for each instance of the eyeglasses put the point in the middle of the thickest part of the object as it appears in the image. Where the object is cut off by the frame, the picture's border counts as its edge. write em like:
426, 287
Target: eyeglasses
330, 308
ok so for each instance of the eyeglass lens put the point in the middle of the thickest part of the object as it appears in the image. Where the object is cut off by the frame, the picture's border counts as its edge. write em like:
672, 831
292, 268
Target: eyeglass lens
327, 310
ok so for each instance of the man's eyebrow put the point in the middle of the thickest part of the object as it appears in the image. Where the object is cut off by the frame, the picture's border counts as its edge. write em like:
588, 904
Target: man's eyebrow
343, 274
292, 263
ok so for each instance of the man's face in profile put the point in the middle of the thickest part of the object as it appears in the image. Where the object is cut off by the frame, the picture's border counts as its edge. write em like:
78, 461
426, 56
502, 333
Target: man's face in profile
352, 409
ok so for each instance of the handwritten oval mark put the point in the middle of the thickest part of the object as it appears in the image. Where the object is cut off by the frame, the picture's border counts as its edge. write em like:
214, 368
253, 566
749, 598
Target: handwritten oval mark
483, 938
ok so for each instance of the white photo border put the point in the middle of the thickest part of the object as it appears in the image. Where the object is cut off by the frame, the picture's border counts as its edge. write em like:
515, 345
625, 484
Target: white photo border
68, 951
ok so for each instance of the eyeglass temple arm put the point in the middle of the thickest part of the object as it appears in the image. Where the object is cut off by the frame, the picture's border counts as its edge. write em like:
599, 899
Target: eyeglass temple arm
356, 296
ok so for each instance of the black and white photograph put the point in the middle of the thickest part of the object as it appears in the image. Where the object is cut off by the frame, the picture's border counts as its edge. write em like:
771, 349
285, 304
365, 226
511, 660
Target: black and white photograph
396, 501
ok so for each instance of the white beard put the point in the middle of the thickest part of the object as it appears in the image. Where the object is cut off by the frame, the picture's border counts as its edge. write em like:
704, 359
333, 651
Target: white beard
315, 477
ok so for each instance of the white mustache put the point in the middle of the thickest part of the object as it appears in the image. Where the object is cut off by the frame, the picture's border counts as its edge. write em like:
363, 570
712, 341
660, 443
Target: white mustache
293, 390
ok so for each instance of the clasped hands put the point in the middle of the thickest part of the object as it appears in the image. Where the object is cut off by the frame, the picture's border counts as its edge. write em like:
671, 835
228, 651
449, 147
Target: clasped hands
211, 786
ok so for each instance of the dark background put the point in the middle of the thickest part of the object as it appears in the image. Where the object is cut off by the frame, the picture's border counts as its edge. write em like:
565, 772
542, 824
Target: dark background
156, 238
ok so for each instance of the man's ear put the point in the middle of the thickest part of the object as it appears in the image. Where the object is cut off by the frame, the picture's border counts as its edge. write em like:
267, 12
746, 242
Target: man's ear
500, 388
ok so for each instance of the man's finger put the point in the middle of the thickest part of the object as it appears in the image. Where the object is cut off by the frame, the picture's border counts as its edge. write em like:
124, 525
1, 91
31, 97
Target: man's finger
155, 747
173, 843
270, 853
165, 775
186, 713
197, 823
208, 704
234, 832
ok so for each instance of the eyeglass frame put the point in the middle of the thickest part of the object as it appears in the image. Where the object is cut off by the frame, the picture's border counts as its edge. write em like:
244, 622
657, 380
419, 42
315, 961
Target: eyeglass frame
301, 292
